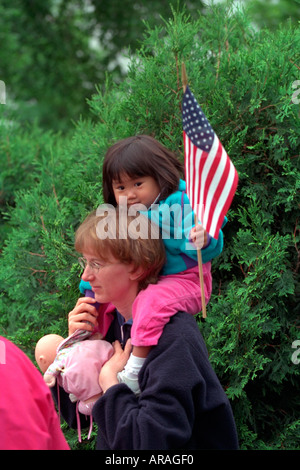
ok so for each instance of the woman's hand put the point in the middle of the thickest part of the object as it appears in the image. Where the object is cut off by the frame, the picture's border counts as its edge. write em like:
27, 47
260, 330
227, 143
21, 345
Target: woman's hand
83, 312
108, 374
198, 235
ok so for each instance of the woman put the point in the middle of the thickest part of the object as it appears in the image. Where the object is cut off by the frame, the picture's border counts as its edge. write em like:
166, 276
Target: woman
181, 404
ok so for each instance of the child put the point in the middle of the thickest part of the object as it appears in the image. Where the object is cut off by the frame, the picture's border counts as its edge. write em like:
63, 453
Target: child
140, 172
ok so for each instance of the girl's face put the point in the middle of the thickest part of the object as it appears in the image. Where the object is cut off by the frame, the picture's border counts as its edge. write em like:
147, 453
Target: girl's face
138, 190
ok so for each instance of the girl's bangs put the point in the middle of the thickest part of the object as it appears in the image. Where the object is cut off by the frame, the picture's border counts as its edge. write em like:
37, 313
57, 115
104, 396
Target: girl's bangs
131, 162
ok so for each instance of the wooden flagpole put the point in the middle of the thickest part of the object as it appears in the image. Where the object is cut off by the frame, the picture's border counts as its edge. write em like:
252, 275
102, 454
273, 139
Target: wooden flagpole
199, 255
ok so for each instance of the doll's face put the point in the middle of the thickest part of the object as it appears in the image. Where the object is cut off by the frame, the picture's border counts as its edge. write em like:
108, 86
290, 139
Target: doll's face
45, 350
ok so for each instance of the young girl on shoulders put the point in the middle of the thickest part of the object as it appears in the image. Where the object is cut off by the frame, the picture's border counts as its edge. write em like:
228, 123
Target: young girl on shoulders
140, 172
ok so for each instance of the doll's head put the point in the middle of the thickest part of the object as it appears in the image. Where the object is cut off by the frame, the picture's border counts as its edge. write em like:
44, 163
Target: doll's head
138, 156
45, 350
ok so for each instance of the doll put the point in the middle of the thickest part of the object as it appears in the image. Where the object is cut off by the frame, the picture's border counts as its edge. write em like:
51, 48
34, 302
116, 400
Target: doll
75, 362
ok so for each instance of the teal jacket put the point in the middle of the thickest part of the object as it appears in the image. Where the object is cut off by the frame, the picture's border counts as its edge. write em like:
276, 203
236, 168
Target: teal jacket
175, 218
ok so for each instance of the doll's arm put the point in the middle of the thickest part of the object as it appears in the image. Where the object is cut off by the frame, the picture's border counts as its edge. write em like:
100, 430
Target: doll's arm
54, 370
50, 379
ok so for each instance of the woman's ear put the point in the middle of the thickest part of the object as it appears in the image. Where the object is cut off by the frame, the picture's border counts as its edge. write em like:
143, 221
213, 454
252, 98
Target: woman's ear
137, 273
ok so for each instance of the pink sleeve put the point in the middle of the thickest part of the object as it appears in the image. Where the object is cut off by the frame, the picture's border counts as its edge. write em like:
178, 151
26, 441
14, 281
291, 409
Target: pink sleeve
27, 413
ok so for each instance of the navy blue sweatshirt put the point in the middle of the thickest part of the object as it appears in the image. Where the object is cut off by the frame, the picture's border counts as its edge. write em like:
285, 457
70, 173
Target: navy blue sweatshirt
182, 404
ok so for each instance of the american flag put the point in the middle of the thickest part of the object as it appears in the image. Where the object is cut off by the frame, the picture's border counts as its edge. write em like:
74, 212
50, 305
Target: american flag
211, 178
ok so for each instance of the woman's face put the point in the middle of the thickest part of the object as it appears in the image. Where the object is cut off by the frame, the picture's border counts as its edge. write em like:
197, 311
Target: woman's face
111, 281
138, 190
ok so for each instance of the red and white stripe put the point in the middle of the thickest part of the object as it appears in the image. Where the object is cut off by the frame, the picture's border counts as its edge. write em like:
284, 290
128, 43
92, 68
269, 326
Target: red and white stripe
211, 180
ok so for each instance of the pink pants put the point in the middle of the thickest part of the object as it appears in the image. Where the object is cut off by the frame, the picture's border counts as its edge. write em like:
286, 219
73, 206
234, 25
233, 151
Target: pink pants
154, 306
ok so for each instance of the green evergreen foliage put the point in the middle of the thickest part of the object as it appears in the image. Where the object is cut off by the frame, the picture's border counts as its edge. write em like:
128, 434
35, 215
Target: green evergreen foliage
243, 80
64, 48
269, 13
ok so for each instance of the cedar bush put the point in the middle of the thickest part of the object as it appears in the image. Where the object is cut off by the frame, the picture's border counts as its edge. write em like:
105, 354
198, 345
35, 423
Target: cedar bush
243, 80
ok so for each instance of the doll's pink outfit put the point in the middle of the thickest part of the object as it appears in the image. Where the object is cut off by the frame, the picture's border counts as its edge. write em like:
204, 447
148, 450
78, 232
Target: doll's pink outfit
78, 362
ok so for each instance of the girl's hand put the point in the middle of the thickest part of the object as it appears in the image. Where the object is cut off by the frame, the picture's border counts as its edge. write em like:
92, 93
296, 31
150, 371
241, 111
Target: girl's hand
108, 373
198, 235
84, 311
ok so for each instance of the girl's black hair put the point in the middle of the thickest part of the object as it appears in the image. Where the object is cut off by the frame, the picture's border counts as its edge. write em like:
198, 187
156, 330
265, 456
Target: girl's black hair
141, 155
